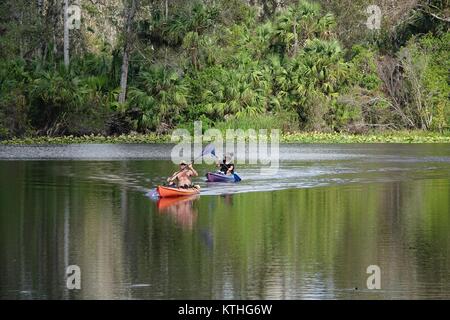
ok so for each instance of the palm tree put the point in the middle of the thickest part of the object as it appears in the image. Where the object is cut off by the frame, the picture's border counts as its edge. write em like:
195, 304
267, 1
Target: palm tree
191, 43
296, 24
161, 96
131, 9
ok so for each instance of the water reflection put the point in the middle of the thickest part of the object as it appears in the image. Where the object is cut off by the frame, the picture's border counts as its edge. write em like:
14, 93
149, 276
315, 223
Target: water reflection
180, 209
313, 242
227, 199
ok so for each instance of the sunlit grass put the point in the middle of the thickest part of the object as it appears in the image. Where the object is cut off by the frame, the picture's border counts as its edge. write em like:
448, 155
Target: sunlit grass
296, 137
385, 137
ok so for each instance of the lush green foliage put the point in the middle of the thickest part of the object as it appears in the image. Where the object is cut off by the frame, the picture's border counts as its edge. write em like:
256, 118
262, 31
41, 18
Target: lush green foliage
225, 65
296, 137
427, 64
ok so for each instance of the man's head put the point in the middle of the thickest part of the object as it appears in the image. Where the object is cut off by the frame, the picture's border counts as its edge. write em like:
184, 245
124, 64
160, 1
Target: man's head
227, 158
183, 164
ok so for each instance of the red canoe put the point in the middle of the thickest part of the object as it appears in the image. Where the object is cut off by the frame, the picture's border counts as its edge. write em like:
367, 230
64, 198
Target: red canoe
169, 192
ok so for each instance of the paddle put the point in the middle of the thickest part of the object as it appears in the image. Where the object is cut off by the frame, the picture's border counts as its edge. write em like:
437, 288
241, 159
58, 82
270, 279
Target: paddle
209, 149
153, 194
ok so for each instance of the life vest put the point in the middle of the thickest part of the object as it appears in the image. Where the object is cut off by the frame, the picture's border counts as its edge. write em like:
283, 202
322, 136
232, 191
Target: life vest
225, 166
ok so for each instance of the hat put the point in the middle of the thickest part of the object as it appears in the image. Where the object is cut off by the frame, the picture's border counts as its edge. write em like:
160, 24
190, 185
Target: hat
183, 163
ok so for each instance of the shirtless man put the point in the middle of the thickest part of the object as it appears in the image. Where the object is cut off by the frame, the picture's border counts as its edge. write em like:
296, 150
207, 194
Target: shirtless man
183, 176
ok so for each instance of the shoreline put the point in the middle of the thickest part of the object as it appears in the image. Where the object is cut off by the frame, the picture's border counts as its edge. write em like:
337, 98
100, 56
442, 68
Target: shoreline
404, 137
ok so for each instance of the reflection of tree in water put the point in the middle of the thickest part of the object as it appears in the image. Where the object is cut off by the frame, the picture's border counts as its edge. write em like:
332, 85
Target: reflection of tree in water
227, 199
181, 210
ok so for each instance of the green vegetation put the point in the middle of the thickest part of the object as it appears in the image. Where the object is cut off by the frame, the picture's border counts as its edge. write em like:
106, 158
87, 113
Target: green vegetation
301, 68
384, 137
92, 139
299, 137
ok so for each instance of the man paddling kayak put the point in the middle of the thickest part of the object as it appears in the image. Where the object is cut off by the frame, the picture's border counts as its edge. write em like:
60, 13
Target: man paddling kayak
183, 176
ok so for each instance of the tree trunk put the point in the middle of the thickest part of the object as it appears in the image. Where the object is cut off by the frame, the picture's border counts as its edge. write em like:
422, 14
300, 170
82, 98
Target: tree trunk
130, 13
21, 41
66, 34
52, 19
167, 18
40, 8
296, 44
167, 9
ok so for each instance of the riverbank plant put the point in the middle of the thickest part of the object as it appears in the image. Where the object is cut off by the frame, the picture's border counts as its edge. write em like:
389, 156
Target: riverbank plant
295, 137
228, 64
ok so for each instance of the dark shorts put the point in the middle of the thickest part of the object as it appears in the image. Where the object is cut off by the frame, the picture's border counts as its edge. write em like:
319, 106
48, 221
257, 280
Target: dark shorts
173, 185
186, 186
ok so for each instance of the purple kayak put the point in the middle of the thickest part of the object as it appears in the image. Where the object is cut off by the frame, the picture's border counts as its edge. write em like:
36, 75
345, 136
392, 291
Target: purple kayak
220, 177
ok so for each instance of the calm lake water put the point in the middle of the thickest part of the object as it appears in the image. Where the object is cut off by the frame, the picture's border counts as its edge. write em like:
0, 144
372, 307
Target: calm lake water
308, 233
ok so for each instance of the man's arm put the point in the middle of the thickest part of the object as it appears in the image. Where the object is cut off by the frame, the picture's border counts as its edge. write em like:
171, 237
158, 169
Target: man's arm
172, 178
194, 173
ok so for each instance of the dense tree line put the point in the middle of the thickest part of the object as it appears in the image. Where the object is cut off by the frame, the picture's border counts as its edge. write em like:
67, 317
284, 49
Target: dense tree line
143, 65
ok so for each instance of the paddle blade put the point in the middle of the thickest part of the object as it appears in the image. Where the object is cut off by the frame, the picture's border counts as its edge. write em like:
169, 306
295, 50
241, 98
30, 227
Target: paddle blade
209, 149
153, 194
236, 178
